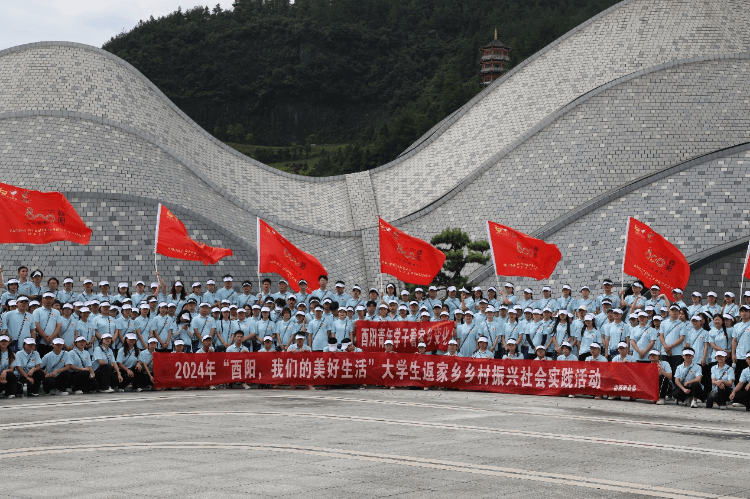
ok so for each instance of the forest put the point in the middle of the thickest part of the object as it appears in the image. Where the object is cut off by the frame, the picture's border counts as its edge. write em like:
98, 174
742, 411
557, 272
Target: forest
374, 75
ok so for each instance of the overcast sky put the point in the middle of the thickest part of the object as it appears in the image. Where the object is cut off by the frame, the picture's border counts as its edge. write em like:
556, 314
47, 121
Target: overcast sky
92, 22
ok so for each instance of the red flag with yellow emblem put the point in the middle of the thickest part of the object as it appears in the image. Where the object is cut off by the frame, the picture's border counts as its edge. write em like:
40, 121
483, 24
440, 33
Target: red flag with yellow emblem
276, 254
517, 254
407, 258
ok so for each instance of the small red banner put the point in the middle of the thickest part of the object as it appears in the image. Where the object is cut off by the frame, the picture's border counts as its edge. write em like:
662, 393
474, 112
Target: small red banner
406, 257
629, 379
517, 254
405, 335
172, 240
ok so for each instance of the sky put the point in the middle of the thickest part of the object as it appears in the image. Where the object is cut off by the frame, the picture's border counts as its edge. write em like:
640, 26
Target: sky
92, 22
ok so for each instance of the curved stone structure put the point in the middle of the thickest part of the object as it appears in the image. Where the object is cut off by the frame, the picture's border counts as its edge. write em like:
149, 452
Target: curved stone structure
645, 86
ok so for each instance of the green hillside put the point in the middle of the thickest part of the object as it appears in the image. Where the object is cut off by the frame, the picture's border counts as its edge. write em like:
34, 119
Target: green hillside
375, 74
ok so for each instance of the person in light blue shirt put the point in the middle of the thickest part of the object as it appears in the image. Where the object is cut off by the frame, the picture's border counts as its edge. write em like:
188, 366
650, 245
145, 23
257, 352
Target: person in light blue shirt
340, 295
82, 376
546, 301
566, 301
10, 294
482, 351
636, 301
559, 334
322, 292
605, 316
318, 331
163, 327
88, 293
19, 323
711, 307
144, 326
56, 375
34, 288
105, 365
467, 335
719, 339
697, 305
225, 328
342, 327
356, 299
140, 293
614, 333
492, 298
283, 291
451, 300
541, 353
210, 295
595, 349
741, 392
534, 334
510, 351
494, 330
286, 328
126, 360
85, 329
29, 367
657, 299
104, 292
678, 294
510, 330
567, 352
8, 378
202, 325
665, 375
622, 354
643, 338
671, 338
586, 300
741, 341
528, 299
144, 369
696, 340
247, 297
722, 382
730, 306
105, 324
589, 335
237, 346
227, 292
126, 323
608, 295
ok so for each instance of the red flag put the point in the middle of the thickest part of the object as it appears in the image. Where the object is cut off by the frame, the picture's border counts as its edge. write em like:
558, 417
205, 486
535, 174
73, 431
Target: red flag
172, 240
516, 254
746, 271
276, 254
653, 259
38, 217
407, 258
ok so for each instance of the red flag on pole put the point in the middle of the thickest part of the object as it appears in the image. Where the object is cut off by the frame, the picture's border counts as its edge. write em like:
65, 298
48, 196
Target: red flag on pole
653, 259
517, 254
38, 217
172, 240
276, 254
746, 270
407, 258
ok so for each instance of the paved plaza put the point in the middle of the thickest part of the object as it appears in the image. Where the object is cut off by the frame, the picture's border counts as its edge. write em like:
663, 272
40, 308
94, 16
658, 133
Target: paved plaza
367, 443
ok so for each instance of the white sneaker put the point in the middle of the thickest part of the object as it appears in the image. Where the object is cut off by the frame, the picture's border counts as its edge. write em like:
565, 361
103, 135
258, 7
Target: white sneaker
59, 392
78, 392
108, 390
660, 402
139, 390
694, 404
213, 388
11, 396
736, 405
571, 396
121, 390
34, 394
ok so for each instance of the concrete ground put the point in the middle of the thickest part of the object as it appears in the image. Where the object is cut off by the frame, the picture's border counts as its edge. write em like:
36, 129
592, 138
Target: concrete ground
367, 443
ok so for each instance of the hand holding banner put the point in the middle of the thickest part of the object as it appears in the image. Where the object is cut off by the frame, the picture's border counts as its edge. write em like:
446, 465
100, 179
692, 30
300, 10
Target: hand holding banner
516, 254
172, 240
276, 254
653, 259
38, 217
407, 258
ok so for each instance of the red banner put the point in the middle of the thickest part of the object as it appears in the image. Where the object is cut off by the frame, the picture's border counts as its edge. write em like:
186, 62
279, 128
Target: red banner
628, 379
516, 254
37, 217
746, 270
276, 254
407, 258
172, 240
653, 259
405, 335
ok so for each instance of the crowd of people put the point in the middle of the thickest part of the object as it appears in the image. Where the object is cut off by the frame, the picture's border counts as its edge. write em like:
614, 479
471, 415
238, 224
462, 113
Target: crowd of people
58, 339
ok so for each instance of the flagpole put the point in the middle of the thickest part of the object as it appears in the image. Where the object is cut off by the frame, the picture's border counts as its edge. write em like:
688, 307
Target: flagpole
492, 254
257, 245
156, 236
624, 253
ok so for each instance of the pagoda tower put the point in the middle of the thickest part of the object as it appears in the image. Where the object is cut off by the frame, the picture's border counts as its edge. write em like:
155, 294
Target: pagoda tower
495, 58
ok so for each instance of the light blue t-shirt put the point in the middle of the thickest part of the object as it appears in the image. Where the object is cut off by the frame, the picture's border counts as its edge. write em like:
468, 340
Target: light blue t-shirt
721, 340
467, 339
318, 330
27, 361
78, 358
697, 341
589, 337
47, 320
100, 353
233, 349
18, 325
54, 361
745, 375
725, 373
685, 374
129, 360
741, 332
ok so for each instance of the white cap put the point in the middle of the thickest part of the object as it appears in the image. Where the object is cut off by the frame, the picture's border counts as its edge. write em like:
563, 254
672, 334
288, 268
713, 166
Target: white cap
536, 311
654, 352
721, 353
588, 317
566, 286
528, 290
360, 307
540, 347
154, 340
655, 286
103, 283
403, 307
131, 336
67, 280
68, 305
648, 308
677, 290
88, 281
483, 338
729, 294
144, 306
469, 312
11, 303
546, 288
509, 285
299, 337
585, 287
154, 284
477, 288
451, 288
657, 318
152, 300
31, 303
696, 318
454, 342
84, 310
140, 283
622, 344
419, 290
210, 281
104, 304
711, 293
595, 345
123, 285
422, 344
106, 335
388, 342
268, 338
356, 286
58, 341
196, 285
228, 279
80, 338
404, 292
688, 351
424, 314
48, 295
127, 306
490, 308
510, 342
77, 304
266, 309
547, 309
163, 304
179, 342
432, 288
225, 309
562, 312
696, 293
15, 281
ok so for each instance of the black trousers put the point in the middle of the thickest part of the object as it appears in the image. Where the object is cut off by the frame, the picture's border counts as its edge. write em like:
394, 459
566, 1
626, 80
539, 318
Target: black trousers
706, 380
741, 365
82, 381
673, 360
743, 397
141, 379
59, 382
126, 379
584, 356
43, 349
9, 387
665, 386
696, 391
106, 377
38, 376
720, 397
